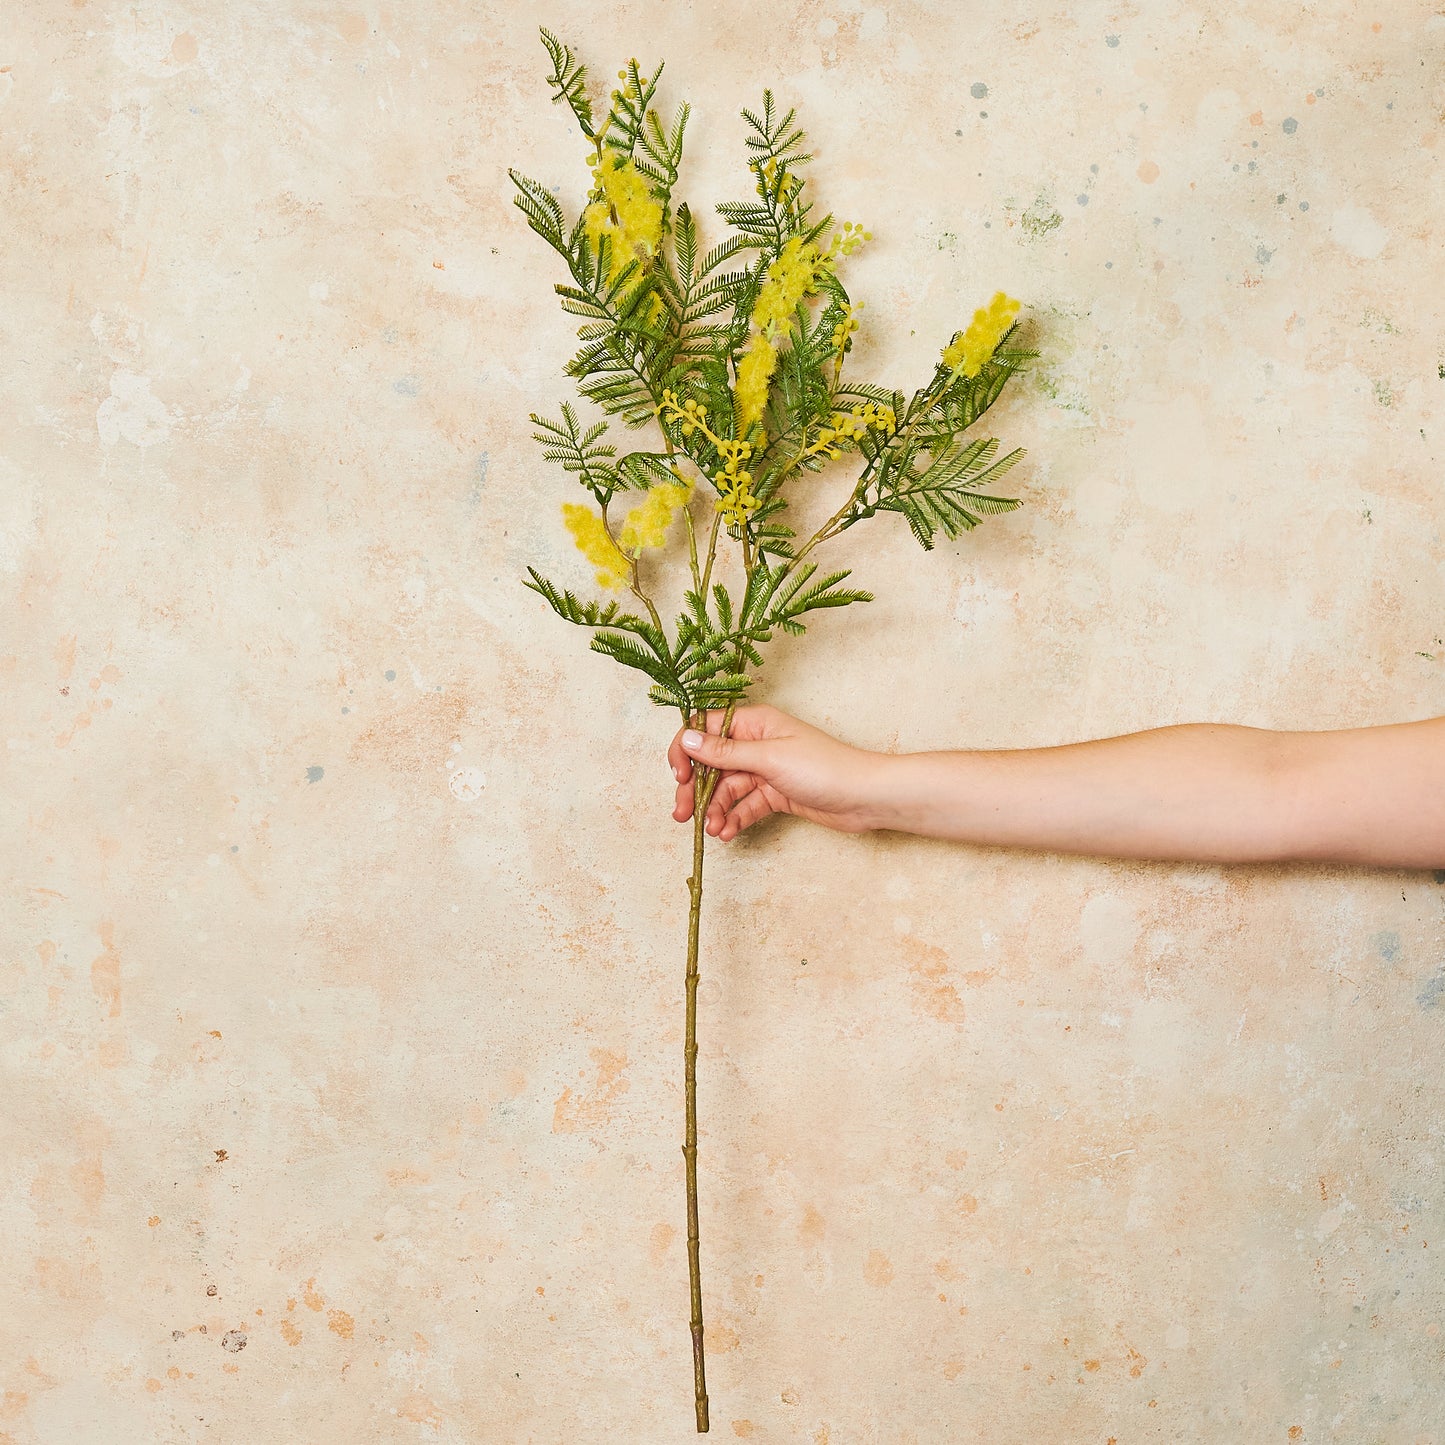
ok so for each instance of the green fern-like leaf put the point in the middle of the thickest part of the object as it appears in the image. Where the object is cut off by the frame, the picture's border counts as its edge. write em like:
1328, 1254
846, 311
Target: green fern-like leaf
581, 453
938, 498
543, 213
569, 81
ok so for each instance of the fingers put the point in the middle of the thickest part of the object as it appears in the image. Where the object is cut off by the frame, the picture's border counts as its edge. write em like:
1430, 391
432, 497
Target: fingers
750, 809
727, 753
681, 763
732, 787
682, 803
744, 752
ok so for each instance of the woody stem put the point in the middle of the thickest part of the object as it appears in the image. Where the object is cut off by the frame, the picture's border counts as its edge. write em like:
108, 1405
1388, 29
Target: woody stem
689, 1148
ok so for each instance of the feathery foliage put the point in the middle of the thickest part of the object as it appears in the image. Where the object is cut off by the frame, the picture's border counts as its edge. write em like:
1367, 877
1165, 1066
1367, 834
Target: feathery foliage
733, 352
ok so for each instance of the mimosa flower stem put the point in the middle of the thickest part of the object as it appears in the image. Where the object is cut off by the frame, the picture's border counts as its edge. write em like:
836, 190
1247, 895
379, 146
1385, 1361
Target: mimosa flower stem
700, 792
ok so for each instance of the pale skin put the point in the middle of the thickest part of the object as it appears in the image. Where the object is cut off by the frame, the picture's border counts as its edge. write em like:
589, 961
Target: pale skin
1198, 792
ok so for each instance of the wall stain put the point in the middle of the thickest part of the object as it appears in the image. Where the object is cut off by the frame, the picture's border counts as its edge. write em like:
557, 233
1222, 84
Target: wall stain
591, 1111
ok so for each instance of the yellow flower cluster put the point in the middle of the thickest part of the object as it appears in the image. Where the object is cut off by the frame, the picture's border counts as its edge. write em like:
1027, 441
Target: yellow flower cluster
846, 241
755, 372
792, 275
848, 426
590, 534
646, 525
625, 211
843, 331
733, 481
735, 502
968, 351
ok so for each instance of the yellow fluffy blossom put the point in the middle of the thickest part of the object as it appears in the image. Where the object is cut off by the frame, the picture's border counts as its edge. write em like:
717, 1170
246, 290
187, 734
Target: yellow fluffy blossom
791, 275
625, 211
646, 525
755, 371
590, 534
968, 351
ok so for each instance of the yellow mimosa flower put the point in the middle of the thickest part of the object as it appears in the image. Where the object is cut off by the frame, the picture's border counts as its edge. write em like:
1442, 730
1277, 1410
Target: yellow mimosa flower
968, 351
590, 534
755, 372
626, 211
646, 524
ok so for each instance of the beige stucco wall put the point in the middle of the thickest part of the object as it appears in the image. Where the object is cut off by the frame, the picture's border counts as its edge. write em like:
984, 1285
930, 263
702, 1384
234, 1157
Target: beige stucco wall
341, 982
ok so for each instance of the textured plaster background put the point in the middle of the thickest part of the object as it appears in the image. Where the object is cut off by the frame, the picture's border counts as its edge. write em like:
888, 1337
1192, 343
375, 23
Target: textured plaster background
341, 984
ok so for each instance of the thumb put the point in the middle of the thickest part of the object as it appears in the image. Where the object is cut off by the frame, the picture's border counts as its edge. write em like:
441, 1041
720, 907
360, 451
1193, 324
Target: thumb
742, 755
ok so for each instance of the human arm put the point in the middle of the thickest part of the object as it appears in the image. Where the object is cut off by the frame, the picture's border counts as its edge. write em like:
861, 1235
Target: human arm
1209, 792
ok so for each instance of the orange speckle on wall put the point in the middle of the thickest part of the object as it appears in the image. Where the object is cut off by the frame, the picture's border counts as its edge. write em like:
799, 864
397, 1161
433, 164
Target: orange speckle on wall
743, 1429
340, 1323
419, 1410
1148, 172
154, 1385
105, 971
878, 1270
813, 1227
1296, 1432
1091, 1366
933, 989
290, 1332
660, 1242
310, 1295
1257, 118
592, 1110
154, 1220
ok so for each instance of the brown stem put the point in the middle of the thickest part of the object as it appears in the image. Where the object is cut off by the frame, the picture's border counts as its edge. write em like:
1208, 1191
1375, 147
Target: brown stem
689, 1149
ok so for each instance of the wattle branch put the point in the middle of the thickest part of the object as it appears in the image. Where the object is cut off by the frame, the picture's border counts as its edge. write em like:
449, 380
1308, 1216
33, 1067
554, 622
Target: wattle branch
741, 370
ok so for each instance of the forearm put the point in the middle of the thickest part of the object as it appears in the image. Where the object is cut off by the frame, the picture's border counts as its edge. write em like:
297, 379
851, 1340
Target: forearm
1198, 791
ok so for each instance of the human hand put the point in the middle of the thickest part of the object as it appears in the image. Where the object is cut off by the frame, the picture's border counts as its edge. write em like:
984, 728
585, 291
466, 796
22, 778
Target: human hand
773, 763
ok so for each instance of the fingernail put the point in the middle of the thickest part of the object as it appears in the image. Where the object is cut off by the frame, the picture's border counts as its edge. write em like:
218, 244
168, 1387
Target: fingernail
691, 739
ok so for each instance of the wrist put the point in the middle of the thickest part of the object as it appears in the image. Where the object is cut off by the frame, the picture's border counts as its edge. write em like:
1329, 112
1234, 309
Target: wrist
884, 791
